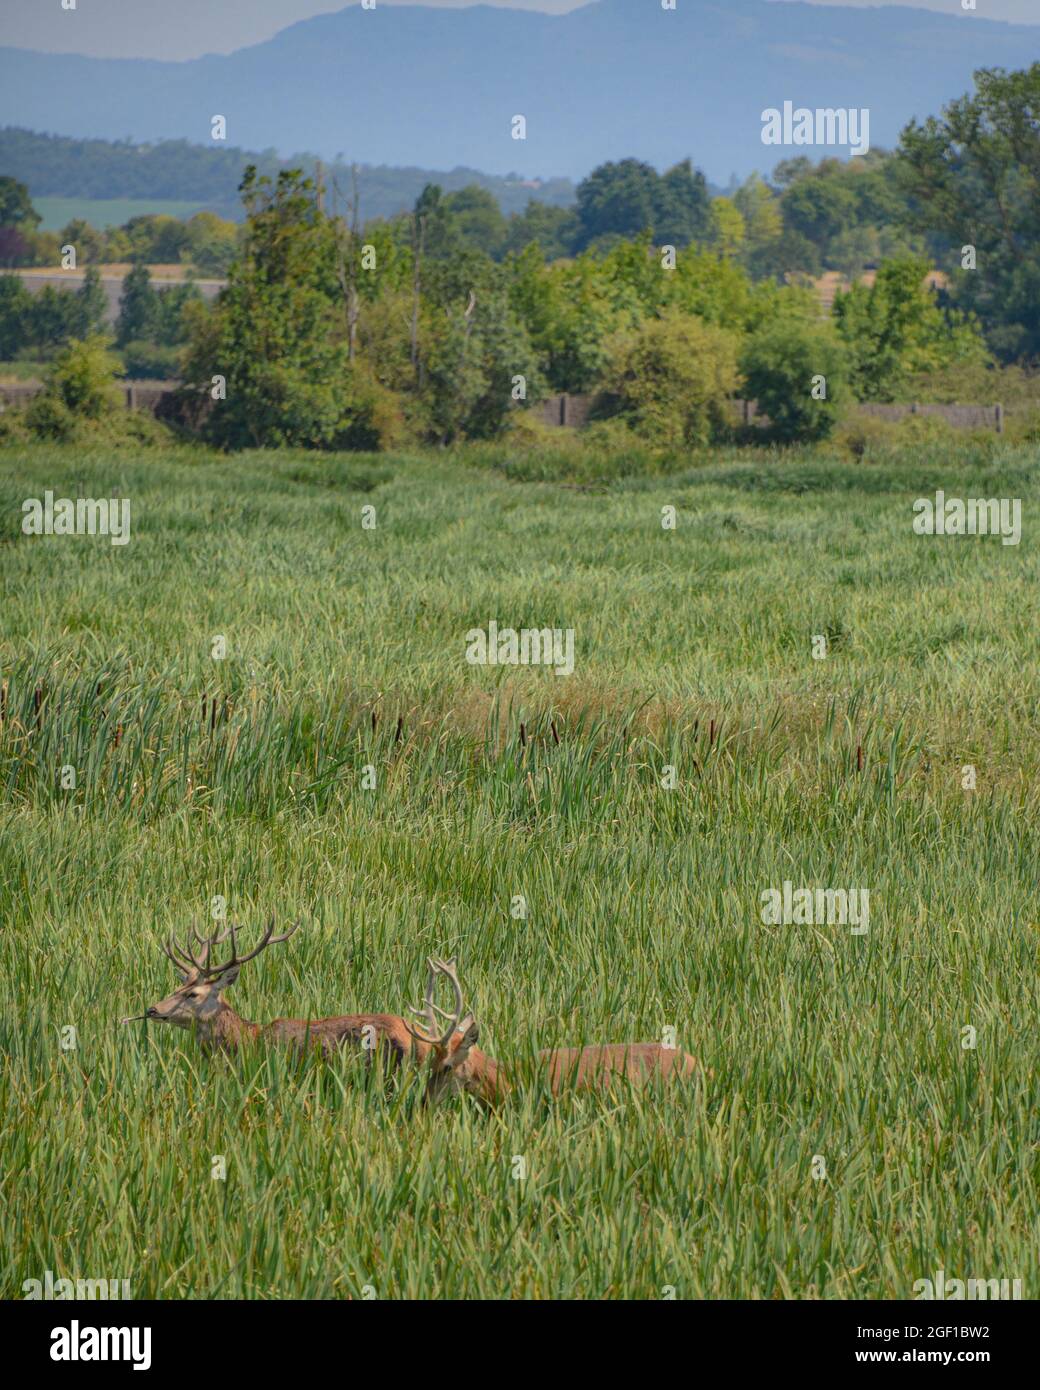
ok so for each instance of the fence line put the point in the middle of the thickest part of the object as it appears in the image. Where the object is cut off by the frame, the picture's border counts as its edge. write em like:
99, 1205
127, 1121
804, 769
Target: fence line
574, 411
565, 410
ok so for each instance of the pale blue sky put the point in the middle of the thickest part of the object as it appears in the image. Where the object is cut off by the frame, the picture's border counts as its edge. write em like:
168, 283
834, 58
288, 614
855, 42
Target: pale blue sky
187, 28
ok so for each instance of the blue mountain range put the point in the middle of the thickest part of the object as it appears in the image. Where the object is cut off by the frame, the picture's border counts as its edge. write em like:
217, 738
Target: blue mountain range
441, 87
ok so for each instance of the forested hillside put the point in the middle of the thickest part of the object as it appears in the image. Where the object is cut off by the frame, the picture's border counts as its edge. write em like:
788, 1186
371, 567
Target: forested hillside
62, 166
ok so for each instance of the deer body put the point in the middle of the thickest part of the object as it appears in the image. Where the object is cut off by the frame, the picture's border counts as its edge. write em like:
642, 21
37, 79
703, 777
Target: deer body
599, 1064
458, 1064
372, 1032
596, 1067
198, 1005
369, 1031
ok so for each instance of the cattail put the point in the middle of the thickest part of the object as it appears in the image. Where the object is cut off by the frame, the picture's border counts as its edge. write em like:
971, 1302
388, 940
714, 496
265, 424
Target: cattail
3, 702
523, 736
400, 728
556, 736
711, 734
859, 757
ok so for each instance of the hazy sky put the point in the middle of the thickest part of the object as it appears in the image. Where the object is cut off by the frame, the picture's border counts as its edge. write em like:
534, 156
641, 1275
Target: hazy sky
186, 28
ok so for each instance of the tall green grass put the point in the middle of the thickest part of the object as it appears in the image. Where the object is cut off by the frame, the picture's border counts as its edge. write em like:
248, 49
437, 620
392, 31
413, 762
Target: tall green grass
244, 778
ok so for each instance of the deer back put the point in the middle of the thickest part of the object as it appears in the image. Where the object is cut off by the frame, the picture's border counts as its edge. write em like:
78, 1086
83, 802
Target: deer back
601, 1064
384, 1032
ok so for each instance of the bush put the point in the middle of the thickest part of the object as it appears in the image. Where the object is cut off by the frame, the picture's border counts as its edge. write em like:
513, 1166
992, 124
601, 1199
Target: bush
83, 378
525, 429
862, 436
1023, 427
669, 379
373, 412
48, 417
928, 429
13, 426
781, 364
150, 361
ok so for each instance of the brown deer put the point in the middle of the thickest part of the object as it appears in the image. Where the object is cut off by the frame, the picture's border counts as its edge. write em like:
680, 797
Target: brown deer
199, 1005
457, 1064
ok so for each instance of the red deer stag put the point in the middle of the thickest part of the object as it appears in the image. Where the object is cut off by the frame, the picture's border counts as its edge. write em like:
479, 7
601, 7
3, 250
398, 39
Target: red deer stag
457, 1064
198, 1005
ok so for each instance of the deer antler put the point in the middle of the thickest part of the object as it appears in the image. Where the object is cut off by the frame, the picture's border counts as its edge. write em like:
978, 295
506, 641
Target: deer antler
185, 959
426, 1013
430, 1009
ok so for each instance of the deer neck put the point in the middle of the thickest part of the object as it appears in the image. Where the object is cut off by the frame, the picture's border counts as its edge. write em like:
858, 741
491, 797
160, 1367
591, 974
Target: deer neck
228, 1030
484, 1077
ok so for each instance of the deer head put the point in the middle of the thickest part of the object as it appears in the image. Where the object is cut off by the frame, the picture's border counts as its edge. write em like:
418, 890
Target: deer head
453, 1060
197, 1003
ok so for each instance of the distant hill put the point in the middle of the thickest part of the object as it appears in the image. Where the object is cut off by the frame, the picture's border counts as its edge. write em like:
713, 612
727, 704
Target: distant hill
439, 87
192, 176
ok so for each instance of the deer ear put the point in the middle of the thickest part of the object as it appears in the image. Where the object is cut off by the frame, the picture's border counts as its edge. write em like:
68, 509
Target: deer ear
187, 977
226, 977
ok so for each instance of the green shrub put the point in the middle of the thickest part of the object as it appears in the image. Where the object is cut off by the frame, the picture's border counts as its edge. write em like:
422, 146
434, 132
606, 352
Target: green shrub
863, 436
927, 429
526, 430
13, 427
373, 414
48, 417
1023, 427
148, 361
83, 377
669, 379
782, 364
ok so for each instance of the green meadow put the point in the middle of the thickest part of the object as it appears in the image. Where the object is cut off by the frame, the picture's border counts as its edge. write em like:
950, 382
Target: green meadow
56, 213
866, 1112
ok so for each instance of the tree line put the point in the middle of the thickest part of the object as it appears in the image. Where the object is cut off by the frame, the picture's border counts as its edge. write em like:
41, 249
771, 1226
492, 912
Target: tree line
335, 332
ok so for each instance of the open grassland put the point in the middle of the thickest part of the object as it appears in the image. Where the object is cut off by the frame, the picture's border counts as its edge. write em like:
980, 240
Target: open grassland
57, 213
243, 778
